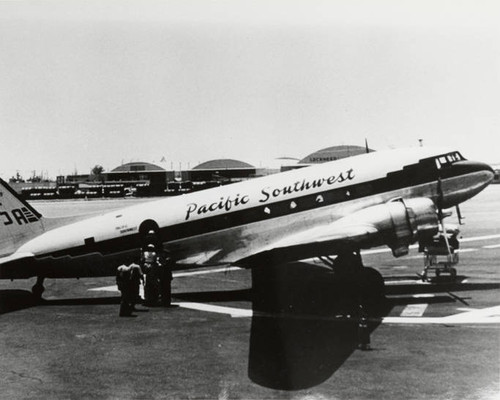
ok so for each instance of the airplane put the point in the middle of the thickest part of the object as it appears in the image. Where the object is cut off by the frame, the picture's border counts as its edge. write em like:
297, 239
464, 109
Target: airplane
392, 198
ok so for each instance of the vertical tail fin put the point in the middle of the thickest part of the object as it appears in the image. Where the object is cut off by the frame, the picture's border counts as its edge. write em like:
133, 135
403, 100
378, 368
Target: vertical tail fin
19, 222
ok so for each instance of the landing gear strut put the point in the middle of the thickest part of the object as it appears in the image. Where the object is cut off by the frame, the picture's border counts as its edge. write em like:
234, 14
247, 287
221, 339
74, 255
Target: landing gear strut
360, 291
38, 288
358, 287
371, 287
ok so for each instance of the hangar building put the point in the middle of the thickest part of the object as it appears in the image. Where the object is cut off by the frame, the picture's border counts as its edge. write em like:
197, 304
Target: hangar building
327, 154
146, 176
334, 153
146, 179
223, 170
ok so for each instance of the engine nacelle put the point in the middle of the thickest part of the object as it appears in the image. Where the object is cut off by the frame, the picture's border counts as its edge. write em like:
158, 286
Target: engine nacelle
412, 220
398, 223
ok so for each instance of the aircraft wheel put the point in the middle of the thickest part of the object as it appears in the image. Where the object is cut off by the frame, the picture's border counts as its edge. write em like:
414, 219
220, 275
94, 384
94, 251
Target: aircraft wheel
372, 286
453, 273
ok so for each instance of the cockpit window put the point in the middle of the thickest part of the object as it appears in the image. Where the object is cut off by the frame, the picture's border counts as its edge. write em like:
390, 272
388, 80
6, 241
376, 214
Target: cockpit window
448, 159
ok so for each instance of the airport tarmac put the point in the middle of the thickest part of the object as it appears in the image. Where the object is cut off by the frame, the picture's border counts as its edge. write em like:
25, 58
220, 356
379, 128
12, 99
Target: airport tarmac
270, 333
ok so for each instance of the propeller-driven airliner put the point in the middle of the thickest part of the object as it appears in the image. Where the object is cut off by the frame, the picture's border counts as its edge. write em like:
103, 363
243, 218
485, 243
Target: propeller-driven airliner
393, 198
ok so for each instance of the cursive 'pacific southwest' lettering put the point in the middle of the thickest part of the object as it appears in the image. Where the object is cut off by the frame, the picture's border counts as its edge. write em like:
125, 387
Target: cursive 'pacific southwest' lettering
300, 186
225, 203
230, 202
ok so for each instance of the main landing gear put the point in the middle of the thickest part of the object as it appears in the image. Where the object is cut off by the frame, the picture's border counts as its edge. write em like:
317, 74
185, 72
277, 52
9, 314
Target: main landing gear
354, 282
360, 292
38, 288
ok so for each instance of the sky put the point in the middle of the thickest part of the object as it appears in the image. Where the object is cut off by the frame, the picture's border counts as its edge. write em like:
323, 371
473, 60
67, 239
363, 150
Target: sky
176, 83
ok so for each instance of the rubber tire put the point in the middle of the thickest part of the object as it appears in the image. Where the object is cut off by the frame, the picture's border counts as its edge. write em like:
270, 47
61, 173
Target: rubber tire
37, 291
372, 286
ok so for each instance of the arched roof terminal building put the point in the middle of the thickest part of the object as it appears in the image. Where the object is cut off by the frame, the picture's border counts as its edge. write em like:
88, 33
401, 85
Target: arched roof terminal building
221, 170
141, 173
224, 170
151, 179
136, 167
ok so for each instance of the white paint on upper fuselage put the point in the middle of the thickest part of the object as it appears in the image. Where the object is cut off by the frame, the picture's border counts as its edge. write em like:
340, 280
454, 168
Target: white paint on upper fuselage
290, 185
252, 193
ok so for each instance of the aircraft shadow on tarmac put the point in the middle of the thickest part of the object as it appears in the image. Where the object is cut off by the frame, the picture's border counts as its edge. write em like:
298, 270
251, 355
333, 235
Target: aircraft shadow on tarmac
297, 338
15, 300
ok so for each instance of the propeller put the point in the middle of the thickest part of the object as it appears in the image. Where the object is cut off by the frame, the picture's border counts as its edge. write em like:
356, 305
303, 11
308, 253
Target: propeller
439, 204
440, 198
459, 215
441, 214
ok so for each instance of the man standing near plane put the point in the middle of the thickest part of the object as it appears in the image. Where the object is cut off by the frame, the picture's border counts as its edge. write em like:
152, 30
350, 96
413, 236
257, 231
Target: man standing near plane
150, 268
136, 276
124, 283
165, 261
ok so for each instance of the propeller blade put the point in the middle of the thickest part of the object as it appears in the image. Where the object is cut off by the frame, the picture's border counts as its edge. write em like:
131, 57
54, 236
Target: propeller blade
439, 201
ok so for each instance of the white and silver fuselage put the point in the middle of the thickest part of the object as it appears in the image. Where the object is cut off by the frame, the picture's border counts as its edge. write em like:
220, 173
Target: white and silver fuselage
227, 223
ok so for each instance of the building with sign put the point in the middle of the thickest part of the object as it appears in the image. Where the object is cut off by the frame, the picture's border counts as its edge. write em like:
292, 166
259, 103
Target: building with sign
334, 153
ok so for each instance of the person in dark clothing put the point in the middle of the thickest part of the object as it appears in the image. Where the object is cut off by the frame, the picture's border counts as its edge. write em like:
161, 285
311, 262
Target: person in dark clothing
124, 283
363, 330
151, 269
166, 263
136, 277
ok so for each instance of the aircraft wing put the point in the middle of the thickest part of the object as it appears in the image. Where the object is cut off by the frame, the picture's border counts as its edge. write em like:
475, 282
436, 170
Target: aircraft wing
396, 224
315, 242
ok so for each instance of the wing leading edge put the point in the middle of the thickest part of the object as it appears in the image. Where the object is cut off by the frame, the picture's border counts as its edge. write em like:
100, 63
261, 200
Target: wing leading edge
396, 224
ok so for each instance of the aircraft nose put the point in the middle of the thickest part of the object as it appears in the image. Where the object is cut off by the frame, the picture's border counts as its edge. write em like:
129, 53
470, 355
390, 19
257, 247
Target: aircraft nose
469, 167
468, 178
